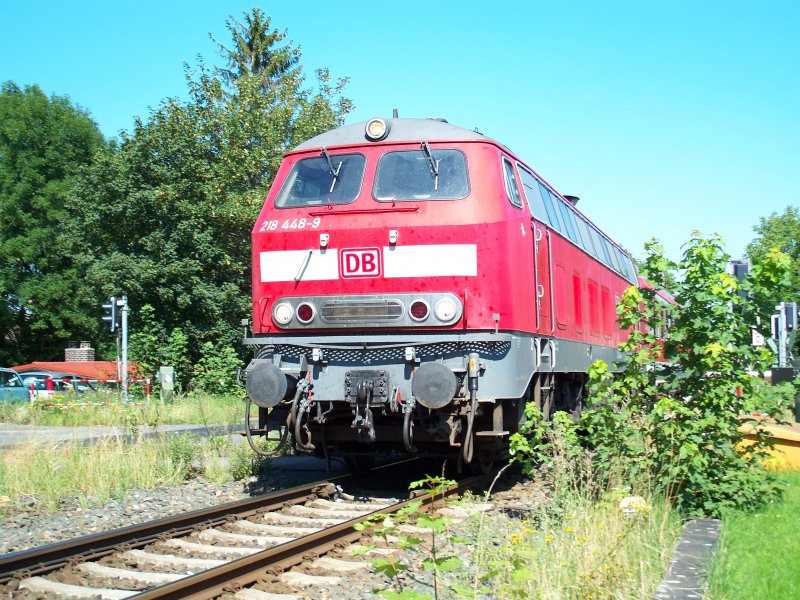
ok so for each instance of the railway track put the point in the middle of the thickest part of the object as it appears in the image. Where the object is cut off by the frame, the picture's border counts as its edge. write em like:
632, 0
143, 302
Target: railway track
280, 546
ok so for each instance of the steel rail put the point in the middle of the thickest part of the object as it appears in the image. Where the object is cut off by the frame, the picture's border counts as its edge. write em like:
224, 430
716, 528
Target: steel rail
237, 574
54, 556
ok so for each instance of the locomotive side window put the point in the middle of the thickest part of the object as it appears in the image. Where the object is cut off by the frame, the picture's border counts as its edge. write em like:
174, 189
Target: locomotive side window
601, 248
566, 215
532, 195
555, 220
423, 174
623, 263
512, 190
334, 179
551, 210
631, 269
583, 229
614, 264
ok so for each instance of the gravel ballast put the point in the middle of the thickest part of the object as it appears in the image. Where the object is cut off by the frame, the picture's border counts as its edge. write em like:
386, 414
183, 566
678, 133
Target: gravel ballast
26, 526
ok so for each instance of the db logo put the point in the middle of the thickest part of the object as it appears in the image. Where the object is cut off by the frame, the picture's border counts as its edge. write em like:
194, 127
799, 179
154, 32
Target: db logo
360, 262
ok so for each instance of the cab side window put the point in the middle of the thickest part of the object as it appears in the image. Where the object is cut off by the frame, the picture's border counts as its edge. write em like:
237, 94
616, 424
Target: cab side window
512, 190
531, 189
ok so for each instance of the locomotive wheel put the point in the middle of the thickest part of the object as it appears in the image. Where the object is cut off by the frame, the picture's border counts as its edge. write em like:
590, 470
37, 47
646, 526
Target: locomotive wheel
359, 464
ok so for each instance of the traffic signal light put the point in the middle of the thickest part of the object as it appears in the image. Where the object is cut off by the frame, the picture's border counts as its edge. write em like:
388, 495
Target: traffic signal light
791, 316
111, 315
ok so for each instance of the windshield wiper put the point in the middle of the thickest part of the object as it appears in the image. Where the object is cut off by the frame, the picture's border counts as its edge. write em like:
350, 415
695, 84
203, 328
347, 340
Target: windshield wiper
331, 170
433, 164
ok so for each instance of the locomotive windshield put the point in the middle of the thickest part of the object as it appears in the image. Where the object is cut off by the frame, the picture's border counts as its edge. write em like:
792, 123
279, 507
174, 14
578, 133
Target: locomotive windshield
329, 178
423, 174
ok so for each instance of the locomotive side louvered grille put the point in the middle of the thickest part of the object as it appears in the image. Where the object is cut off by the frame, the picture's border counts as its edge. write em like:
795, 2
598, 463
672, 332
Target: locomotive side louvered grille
355, 312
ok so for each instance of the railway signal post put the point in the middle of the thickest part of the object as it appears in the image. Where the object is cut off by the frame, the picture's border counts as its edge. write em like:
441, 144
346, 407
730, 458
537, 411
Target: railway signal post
123, 304
116, 315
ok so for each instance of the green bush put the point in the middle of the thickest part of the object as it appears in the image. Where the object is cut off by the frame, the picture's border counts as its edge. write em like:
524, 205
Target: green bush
676, 426
668, 420
215, 373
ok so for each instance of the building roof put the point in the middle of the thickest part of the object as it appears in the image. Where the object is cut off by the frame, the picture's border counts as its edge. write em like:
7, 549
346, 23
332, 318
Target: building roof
101, 370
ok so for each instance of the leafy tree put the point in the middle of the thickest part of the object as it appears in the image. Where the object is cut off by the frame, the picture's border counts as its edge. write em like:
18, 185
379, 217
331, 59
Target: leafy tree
166, 217
779, 233
44, 142
770, 283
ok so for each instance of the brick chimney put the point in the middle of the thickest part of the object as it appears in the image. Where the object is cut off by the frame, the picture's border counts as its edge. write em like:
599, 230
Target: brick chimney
76, 352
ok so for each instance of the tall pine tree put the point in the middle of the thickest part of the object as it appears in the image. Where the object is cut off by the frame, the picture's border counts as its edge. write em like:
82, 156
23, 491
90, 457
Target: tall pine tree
166, 217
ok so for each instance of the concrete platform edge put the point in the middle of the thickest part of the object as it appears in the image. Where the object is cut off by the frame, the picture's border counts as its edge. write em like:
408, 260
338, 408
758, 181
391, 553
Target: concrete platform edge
688, 571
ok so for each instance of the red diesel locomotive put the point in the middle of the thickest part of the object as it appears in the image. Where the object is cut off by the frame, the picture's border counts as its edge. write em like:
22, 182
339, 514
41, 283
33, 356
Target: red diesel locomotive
414, 285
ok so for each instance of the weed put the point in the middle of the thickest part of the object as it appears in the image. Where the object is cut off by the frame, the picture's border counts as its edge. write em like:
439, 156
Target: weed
426, 543
183, 450
244, 463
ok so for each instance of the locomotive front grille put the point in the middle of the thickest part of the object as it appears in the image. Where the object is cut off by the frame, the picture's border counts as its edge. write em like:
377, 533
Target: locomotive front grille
356, 312
360, 355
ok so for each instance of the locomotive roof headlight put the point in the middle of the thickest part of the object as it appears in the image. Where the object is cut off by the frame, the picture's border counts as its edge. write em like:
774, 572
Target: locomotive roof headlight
419, 310
445, 310
376, 130
283, 313
306, 312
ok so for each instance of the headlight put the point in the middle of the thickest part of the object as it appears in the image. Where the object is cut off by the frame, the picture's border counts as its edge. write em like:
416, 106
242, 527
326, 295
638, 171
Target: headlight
445, 310
283, 313
376, 130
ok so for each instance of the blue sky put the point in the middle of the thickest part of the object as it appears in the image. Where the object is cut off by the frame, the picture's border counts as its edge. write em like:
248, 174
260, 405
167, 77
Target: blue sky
663, 117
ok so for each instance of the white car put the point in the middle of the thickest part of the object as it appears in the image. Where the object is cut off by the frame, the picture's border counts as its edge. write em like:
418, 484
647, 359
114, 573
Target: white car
45, 384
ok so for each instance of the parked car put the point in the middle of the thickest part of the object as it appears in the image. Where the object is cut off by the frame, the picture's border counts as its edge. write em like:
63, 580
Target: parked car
12, 387
46, 384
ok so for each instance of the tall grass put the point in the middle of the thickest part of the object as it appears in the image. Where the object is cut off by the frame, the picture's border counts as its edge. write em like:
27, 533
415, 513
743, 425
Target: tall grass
580, 541
591, 550
101, 409
75, 475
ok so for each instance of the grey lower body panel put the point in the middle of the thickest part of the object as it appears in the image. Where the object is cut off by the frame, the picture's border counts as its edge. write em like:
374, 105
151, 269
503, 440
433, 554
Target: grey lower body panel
508, 360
